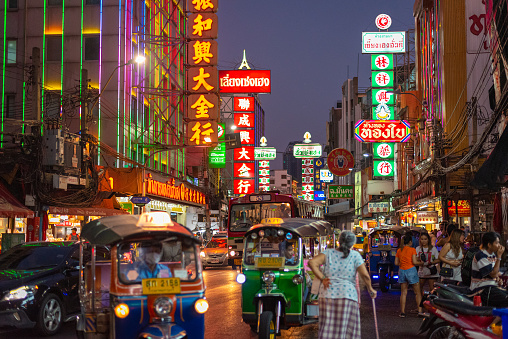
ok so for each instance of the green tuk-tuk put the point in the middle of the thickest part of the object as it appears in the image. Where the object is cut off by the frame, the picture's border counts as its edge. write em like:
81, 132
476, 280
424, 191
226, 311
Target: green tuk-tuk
275, 278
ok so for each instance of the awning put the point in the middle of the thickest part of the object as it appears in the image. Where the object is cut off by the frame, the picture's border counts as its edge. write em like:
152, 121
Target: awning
85, 211
10, 207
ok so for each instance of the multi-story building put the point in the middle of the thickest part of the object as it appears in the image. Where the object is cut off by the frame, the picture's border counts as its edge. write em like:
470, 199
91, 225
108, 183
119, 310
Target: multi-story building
282, 181
292, 164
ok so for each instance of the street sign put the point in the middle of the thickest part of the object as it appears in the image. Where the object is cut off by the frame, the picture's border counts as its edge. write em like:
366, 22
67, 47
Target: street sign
341, 191
140, 200
340, 161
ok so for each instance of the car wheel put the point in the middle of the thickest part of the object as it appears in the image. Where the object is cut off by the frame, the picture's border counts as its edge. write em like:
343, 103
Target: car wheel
50, 316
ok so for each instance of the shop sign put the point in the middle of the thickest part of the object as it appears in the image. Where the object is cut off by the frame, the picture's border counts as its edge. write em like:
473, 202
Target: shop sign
383, 42
379, 207
171, 191
246, 137
382, 78
245, 81
307, 151
319, 163
243, 104
265, 153
244, 169
217, 155
383, 151
244, 120
383, 112
202, 133
165, 206
383, 96
382, 130
243, 186
384, 168
202, 26
244, 153
383, 21
371, 223
425, 217
341, 191
325, 175
204, 106
202, 52
127, 206
463, 208
381, 62
319, 196
340, 161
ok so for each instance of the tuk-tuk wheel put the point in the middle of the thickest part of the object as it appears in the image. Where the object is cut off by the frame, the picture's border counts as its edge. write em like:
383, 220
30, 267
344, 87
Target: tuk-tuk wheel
266, 326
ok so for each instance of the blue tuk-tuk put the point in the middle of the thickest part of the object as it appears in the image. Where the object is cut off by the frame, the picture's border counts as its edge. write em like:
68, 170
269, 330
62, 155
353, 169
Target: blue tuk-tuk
151, 288
383, 245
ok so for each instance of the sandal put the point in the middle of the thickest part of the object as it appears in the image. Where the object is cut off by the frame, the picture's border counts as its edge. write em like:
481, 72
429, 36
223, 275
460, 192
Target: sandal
423, 315
402, 315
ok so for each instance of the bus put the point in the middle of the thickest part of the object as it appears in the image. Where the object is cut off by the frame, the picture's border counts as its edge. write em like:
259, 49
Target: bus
248, 210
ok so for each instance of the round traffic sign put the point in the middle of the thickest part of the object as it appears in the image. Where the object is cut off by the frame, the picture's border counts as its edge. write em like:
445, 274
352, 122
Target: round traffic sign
340, 161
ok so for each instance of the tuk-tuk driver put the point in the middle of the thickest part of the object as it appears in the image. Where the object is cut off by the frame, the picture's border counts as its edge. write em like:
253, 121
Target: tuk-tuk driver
149, 266
290, 255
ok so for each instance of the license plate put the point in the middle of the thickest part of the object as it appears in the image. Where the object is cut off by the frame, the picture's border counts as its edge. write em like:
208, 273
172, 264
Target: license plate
238, 261
161, 286
269, 262
214, 261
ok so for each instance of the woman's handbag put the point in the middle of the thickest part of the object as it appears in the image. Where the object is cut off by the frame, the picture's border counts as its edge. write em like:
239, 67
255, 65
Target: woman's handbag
433, 269
446, 272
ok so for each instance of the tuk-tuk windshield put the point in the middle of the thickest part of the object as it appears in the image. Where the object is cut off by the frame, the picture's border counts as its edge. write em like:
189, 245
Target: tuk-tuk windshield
245, 216
270, 247
384, 238
171, 258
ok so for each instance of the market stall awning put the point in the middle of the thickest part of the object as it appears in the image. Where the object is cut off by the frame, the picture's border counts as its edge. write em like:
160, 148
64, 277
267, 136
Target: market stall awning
10, 207
85, 211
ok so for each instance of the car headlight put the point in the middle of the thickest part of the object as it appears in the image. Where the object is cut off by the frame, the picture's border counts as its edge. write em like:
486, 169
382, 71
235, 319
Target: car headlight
232, 253
268, 277
202, 254
19, 293
163, 306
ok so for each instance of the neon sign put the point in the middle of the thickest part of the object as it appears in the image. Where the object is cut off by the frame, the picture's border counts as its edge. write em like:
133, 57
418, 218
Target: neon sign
245, 81
383, 42
171, 191
243, 104
382, 131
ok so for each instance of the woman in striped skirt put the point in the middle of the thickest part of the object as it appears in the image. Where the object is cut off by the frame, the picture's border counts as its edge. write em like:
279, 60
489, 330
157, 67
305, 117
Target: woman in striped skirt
339, 311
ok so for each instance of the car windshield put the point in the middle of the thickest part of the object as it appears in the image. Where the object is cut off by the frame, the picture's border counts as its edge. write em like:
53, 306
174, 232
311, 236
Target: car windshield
217, 243
32, 257
243, 217
272, 246
170, 258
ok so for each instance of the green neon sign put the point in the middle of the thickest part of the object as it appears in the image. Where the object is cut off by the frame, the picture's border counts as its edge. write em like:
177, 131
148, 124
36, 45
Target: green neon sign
217, 155
384, 168
381, 62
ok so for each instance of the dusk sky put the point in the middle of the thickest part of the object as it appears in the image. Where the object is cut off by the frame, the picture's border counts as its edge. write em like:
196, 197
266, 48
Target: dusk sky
308, 46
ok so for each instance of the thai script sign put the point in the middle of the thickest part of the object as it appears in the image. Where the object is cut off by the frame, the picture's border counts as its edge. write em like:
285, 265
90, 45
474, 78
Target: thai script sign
243, 104
169, 190
463, 208
217, 155
307, 150
265, 153
376, 207
341, 191
426, 217
382, 131
383, 42
245, 81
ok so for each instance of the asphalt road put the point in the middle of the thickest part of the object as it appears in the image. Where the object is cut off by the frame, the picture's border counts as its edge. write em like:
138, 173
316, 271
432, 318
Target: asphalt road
223, 319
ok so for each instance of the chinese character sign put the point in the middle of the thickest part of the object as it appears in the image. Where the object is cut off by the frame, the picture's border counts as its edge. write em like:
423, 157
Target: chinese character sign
244, 120
382, 96
246, 137
319, 163
384, 168
243, 186
264, 175
382, 62
243, 104
308, 179
244, 170
382, 79
383, 151
244, 153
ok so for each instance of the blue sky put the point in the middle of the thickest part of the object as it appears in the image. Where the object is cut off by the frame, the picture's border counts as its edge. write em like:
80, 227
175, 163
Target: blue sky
308, 46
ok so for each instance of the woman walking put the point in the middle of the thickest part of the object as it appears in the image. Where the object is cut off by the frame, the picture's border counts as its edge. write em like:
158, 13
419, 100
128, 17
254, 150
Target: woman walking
451, 256
429, 257
339, 313
408, 275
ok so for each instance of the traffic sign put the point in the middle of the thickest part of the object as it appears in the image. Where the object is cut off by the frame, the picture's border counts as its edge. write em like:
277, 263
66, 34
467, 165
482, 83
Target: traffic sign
140, 200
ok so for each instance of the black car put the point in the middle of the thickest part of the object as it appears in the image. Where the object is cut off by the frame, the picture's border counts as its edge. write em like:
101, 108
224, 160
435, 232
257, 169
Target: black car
39, 285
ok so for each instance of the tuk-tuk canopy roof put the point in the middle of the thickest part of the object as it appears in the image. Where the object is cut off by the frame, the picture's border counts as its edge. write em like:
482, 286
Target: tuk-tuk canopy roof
397, 229
301, 227
111, 230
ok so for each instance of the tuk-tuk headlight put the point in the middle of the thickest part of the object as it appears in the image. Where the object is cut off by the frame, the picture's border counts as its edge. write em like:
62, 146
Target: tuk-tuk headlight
163, 306
268, 277
122, 310
280, 233
254, 236
298, 279
201, 306
240, 278
261, 233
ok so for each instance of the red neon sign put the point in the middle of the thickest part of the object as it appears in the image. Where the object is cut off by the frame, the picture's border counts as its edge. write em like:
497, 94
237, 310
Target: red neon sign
245, 81
382, 131
244, 169
244, 153
246, 137
243, 186
243, 104
244, 120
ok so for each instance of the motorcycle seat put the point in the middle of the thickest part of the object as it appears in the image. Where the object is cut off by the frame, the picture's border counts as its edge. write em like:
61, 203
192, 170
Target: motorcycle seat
454, 288
462, 308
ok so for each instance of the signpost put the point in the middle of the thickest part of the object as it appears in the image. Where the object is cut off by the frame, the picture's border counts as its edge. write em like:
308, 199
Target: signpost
140, 201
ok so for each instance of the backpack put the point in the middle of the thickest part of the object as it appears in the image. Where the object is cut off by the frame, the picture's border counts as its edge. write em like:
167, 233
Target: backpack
467, 265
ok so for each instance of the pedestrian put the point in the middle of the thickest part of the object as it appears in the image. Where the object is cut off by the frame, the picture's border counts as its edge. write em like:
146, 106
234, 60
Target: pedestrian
433, 238
429, 257
445, 237
451, 257
73, 236
406, 259
339, 312
485, 272
441, 233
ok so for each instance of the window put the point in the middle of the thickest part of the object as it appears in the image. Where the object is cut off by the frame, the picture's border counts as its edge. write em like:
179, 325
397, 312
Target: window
283, 176
13, 4
54, 2
11, 51
54, 48
93, 2
92, 51
10, 110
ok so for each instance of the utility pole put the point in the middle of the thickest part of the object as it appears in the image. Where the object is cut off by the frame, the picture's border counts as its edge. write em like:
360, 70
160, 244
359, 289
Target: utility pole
36, 89
84, 114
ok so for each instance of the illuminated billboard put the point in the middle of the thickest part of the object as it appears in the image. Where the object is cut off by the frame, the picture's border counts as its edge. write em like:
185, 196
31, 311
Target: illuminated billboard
245, 81
382, 131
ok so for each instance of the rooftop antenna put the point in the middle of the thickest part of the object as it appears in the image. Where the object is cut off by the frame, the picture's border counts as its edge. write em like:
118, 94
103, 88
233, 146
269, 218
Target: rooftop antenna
244, 62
